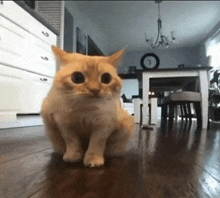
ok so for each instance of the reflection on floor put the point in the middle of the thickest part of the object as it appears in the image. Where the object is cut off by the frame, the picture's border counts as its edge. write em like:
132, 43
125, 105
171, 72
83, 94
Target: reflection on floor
182, 162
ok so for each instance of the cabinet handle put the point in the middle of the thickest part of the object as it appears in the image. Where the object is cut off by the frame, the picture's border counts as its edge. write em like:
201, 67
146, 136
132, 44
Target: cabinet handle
45, 34
45, 58
43, 79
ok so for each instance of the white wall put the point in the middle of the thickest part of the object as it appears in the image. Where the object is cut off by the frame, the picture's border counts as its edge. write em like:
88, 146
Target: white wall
169, 58
87, 26
130, 87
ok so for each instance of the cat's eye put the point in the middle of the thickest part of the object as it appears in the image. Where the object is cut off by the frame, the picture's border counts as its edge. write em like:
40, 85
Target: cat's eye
106, 78
78, 77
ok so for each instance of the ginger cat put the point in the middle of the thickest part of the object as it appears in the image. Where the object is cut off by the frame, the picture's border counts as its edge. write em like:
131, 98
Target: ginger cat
84, 104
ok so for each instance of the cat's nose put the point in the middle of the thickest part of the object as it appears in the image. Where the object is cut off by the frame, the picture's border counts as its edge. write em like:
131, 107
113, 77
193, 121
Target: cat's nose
95, 91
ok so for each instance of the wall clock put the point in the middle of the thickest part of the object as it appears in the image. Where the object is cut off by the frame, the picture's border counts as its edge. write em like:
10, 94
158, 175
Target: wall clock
150, 61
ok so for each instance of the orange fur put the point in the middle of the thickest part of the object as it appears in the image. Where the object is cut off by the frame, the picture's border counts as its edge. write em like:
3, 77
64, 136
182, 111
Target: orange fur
73, 111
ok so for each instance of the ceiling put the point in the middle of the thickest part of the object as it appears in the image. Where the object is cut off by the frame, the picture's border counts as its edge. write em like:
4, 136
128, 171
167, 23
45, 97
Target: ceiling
125, 22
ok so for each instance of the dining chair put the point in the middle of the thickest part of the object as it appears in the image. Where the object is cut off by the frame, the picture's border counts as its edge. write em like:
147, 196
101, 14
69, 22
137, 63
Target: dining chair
135, 109
138, 104
184, 99
127, 104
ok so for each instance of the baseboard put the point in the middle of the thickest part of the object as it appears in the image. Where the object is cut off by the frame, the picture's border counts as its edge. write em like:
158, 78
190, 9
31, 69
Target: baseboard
22, 121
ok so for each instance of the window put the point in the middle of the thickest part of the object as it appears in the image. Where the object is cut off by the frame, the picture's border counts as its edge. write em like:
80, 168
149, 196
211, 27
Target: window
212, 46
214, 52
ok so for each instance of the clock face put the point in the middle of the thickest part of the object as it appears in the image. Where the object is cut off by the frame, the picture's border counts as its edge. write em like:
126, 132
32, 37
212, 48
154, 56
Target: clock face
150, 61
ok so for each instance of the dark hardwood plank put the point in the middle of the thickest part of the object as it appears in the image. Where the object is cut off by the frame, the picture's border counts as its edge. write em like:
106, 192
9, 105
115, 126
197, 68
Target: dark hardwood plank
19, 142
176, 169
38, 194
23, 176
178, 162
211, 160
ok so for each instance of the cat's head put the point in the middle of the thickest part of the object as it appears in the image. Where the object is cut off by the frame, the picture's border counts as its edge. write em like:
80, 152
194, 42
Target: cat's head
88, 77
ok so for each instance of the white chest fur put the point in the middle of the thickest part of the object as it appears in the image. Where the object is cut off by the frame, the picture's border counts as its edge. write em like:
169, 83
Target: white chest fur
85, 119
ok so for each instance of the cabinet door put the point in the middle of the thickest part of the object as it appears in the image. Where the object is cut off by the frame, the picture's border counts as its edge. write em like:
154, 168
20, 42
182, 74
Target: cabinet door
32, 95
17, 61
5, 23
21, 96
10, 90
19, 16
21, 91
12, 42
12, 11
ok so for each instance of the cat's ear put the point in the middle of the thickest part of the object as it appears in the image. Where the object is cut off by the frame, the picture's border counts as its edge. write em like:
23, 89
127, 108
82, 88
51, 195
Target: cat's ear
60, 54
115, 59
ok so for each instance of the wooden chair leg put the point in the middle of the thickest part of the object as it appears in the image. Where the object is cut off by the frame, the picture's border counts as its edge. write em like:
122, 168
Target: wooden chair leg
198, 114
164, 112
137, 113
189, 111
185, 111
141, 113
176, 112
181, 110
171, 114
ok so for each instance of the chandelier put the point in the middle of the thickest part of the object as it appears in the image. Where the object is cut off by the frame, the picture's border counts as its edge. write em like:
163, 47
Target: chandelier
164, 41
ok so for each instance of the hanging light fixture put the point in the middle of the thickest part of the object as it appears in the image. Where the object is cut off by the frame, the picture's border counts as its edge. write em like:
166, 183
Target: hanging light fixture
164, 41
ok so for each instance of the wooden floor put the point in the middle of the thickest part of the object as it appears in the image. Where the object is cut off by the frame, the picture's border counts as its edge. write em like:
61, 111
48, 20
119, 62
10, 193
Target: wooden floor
182, 162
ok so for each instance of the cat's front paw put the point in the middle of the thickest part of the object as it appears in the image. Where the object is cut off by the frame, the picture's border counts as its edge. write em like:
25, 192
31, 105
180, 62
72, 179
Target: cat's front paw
92, 160
73, 157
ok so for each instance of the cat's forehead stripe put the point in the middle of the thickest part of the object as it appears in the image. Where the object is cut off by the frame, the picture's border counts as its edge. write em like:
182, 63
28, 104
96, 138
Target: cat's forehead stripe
90, 66
94, 66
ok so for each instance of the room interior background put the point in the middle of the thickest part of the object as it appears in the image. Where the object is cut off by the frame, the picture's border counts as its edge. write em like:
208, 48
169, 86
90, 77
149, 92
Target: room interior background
123, 24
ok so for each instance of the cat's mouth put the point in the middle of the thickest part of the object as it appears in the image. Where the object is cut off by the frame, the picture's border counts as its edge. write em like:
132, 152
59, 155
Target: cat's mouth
94, 96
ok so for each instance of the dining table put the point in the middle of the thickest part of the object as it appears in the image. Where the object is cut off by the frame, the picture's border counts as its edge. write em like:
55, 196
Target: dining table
172, 79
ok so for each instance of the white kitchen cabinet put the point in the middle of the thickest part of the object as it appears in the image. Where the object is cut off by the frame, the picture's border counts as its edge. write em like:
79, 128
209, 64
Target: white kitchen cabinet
28, 55
27, 63
16, 14
22, 92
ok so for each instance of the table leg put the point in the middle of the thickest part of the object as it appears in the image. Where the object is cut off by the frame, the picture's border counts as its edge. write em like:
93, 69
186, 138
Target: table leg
204, 83
153, 110
146, 86
137, 110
